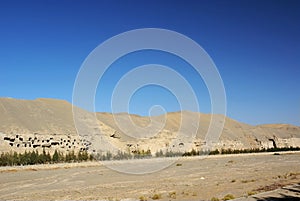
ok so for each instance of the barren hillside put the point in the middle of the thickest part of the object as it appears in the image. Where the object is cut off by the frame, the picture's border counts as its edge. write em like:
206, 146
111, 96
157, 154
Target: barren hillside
51, 121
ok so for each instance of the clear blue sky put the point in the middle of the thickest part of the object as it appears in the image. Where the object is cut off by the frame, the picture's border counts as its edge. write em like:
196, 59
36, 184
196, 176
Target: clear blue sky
254, 44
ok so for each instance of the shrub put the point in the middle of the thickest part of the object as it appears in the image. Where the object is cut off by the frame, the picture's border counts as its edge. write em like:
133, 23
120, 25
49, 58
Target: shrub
122, 155
142, 154
172, 195
228, 197
215, 152
159, 153
251, 193
247, 181
142, 198
156, 197
173, 154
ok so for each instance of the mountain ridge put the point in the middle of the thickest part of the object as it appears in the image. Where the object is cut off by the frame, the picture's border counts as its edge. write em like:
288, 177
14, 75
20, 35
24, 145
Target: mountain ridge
46, 117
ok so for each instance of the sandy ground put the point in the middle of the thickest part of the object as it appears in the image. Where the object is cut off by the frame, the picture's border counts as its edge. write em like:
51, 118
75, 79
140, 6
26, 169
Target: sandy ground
191, 178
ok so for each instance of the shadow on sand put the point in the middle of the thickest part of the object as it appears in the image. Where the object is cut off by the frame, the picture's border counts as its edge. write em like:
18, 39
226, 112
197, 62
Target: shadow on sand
282, 198
290, 194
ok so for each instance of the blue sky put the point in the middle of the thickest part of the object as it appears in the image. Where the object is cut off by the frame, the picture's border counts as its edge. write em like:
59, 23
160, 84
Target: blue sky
254, 44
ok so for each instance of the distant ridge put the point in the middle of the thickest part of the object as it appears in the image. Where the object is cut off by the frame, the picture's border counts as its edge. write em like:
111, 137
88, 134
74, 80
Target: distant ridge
44, 116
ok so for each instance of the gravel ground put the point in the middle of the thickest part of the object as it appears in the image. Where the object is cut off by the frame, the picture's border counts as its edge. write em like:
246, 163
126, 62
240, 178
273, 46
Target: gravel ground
194, 178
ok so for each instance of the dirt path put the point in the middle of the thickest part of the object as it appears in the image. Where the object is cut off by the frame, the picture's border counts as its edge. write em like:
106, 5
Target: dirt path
187, 179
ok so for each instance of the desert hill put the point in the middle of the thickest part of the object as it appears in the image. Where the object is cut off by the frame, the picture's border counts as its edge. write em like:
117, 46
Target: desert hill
49, 123
44, 116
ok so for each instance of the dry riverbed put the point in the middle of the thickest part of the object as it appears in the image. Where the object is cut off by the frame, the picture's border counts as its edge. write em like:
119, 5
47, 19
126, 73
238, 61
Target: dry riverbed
193, 178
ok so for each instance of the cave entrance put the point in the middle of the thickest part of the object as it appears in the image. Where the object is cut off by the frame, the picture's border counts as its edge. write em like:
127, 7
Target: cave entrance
273, 142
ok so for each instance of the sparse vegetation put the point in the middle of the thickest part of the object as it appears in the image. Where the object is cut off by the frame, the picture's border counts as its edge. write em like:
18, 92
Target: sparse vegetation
247, 181
214, 199
250, 193
156, 196
142, 198
185, 193
112, 199
142, 154
159, 153
172, 154
172, 195
228, 197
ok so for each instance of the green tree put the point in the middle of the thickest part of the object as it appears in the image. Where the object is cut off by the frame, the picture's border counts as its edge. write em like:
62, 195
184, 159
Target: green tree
48, 158
16, 160
33, 158
55, 157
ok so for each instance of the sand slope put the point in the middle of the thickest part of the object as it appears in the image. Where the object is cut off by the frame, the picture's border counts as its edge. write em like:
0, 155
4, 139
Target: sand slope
172, 131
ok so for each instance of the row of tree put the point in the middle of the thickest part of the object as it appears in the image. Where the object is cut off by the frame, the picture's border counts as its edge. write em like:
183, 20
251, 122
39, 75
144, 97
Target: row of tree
121, 155
193, 152
34, 157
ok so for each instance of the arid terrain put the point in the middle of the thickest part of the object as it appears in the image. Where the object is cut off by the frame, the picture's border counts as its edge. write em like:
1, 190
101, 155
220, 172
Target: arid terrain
150, 100
35, 125
49, 124
192, 178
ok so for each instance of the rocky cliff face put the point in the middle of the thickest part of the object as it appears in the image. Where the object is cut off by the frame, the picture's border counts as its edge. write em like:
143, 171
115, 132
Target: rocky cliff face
49, 124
